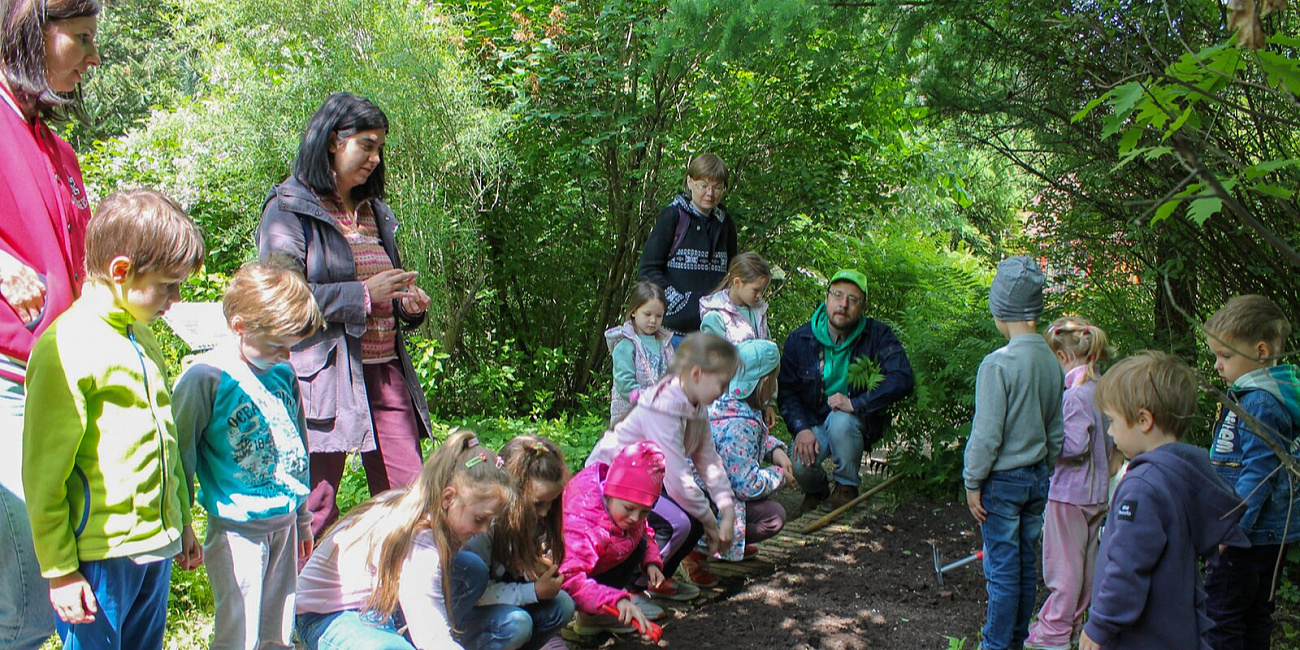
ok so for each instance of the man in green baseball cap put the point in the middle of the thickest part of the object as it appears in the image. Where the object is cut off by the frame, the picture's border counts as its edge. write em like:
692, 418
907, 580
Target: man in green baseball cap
830, 416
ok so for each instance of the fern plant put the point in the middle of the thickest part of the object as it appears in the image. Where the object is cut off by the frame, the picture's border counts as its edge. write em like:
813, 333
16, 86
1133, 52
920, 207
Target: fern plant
865, 374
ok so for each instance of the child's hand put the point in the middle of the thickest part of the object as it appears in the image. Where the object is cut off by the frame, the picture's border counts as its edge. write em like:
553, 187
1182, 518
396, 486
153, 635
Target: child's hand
726, 529
548, 584
191, 555
769, 416
73, 599
1086, 643
976, 506
782, 461
627, 612
304, 548
654, 575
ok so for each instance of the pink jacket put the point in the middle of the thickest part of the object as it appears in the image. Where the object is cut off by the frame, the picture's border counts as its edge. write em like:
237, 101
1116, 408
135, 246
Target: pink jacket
594, 545
45, 211
665, 416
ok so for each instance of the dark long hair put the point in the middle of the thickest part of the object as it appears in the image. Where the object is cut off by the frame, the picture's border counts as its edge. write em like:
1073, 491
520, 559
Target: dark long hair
342, 115
22, 49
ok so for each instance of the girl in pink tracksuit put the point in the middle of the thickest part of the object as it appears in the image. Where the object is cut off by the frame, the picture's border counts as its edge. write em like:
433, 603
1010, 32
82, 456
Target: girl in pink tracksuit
1076, 506
607, 538
674, 415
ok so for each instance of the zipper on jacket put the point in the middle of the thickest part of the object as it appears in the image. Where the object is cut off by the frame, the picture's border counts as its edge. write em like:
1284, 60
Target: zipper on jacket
162, 446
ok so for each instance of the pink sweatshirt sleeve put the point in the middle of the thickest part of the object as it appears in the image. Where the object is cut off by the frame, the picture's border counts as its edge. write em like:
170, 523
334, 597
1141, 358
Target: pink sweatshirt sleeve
580, 557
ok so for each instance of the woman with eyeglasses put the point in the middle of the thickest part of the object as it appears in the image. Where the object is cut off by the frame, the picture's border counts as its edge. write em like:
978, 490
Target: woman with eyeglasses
46, 47
691, 245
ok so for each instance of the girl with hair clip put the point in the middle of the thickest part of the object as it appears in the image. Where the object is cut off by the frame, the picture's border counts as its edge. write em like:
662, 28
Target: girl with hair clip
674, 415
359, 387
46, 48
1077, 500
524, 605
640, 349
394, 563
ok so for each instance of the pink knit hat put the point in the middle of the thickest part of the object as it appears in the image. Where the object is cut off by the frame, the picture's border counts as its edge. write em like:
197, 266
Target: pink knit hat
637, 474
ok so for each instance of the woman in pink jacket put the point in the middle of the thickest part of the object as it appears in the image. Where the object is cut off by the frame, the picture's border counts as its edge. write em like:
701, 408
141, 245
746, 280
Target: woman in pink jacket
673, 414
45, 50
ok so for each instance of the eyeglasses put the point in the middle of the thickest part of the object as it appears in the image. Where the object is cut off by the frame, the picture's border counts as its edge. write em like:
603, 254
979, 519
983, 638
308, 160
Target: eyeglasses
706, 187
840, 296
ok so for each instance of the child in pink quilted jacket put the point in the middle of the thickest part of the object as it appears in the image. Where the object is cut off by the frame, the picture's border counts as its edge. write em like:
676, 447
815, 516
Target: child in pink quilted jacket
607, 537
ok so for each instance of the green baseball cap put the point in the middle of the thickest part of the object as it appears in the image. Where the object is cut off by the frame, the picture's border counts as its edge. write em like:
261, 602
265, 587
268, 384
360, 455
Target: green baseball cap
850, 275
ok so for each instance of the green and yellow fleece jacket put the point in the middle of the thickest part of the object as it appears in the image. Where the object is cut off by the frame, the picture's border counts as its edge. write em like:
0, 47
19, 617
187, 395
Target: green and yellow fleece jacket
101, 465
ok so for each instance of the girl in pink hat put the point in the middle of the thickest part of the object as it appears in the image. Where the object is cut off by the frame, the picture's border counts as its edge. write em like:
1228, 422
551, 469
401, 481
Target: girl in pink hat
607, 537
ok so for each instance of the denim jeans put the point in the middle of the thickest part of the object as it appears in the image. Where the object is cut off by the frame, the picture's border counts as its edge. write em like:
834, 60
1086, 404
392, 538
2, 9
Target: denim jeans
1239, 592
354, 630
26, 618
132, 600
510, 627
1015, 500
840, 436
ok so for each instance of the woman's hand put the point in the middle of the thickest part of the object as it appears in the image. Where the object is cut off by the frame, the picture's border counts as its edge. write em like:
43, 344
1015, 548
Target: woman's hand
389, 285
417, 302
21, 287
1086, 643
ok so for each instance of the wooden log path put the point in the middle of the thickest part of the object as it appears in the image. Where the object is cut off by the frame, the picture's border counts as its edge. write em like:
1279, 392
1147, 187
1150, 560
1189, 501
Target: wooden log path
734, 576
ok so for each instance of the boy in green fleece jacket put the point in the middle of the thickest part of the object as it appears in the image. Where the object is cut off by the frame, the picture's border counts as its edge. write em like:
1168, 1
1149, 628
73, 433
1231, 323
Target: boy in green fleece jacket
106, 493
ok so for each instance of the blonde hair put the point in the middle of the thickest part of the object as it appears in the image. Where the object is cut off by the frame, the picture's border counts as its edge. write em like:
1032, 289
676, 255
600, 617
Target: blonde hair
1250, 319
1156, 381
1080, 339
707, 166
516, 542
747, 267
387, 524
147, 228
273, 299
706, 350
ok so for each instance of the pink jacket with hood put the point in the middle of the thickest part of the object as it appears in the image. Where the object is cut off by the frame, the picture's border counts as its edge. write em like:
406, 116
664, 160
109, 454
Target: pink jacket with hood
666, 417
593, 544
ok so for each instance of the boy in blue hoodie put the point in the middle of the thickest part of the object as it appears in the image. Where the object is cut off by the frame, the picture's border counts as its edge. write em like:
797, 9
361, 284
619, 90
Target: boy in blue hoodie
1169, 509
1246, 336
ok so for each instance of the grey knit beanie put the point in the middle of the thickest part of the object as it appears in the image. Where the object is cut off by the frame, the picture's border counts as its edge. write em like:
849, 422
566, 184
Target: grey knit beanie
1017, 291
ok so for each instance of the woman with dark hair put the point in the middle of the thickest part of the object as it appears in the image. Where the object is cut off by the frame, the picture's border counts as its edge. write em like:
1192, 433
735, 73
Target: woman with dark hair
359, 389
46, 46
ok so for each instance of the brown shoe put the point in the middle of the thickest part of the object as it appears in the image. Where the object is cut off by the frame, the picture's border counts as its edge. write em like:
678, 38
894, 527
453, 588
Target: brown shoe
842, 494
810, 503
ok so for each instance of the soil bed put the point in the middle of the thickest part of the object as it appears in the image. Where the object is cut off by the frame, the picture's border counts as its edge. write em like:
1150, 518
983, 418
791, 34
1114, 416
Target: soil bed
872, 586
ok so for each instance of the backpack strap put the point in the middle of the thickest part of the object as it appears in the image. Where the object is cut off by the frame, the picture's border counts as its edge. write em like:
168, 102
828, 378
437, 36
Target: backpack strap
683, 222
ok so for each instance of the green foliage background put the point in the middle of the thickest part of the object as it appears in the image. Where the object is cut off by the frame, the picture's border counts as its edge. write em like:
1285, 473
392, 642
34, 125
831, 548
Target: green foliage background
1131, 146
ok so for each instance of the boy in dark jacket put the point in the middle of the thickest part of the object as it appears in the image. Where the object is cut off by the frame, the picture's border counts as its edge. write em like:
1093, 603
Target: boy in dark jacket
1169, 509
1246, 336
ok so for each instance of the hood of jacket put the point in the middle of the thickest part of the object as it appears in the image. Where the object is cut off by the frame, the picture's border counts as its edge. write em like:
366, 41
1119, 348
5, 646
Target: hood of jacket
1280, 381
1213, 513
616, 335
683, 200
730, 407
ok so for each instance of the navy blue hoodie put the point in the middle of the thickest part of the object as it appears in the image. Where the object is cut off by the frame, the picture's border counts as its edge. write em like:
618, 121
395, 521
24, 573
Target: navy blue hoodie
1170, 508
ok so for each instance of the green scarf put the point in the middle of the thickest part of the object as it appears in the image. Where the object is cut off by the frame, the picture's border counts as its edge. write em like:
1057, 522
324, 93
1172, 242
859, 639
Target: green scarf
836, 357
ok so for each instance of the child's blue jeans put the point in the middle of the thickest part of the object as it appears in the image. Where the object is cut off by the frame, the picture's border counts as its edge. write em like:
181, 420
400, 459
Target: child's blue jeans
132, 601
355, 630
1015, 500
509, 627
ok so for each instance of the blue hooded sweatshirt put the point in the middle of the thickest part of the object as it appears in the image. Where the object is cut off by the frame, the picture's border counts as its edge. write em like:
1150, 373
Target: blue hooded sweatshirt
1148, 593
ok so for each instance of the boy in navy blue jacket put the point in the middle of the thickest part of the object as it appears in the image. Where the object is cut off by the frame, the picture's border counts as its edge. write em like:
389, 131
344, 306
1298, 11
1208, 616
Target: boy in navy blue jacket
1169, 509
1246, 336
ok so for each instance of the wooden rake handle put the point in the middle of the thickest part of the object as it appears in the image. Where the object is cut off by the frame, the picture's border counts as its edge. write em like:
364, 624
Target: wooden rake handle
835, 514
